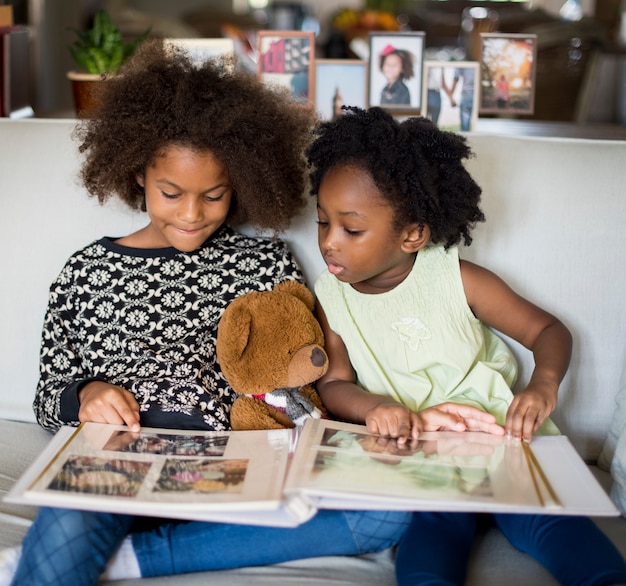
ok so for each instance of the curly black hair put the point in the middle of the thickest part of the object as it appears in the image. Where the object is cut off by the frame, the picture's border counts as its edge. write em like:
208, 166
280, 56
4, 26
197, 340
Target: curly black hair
161, 98
416, 166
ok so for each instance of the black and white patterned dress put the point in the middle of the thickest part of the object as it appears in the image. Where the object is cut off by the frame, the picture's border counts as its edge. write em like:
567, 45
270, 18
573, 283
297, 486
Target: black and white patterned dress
146, 320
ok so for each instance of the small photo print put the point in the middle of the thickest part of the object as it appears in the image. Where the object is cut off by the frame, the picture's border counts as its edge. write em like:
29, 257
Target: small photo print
395, 71
477, 449
359, 442
507, 73
100, 476
339, 82
167, 444
366, 442
451, 94
286, 59
202, 476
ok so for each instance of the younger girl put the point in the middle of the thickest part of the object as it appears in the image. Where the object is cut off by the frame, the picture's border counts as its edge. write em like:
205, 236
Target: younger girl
405, 325
129, 335
397, 66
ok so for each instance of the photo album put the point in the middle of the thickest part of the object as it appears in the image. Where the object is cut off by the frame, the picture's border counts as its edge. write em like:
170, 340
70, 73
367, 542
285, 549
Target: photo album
282, 477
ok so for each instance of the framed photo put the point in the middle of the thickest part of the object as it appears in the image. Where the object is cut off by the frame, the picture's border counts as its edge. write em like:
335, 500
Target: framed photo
286, 59
202, 49
395, 71
339, 82
451, 94
507, 73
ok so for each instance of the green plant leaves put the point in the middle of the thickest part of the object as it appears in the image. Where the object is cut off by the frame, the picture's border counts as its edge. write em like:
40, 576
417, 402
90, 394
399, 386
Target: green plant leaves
101, 50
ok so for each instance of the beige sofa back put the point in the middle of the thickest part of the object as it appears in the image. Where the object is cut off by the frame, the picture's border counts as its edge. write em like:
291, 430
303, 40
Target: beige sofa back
555, 210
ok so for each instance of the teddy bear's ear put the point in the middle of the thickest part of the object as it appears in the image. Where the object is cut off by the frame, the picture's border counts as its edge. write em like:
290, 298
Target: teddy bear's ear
233, 332
297, 290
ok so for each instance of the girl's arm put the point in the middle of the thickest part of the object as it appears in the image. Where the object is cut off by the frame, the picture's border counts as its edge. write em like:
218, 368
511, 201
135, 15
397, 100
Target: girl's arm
499, 307
60, 371
66, 393
346, 400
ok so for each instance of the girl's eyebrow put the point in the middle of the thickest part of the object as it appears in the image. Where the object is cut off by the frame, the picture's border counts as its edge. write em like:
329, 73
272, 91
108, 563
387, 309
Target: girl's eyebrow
348, 213
354, 214
179, 188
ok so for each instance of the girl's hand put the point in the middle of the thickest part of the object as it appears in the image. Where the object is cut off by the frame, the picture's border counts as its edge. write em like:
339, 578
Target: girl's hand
529, 409
391, 419
457, 417
102, 402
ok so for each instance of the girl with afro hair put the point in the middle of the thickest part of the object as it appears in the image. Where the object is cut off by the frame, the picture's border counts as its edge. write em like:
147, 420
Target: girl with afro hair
408, 325
129, 334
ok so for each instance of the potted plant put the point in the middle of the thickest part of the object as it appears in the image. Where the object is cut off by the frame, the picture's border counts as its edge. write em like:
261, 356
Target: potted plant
98, 52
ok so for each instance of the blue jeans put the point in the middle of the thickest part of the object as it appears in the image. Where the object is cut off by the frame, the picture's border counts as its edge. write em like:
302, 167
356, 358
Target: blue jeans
433, 105
65, 546
466, 107
436, 548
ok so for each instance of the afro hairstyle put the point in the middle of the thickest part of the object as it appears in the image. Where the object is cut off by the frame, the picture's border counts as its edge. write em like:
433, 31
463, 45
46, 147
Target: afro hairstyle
161, 98
417, 167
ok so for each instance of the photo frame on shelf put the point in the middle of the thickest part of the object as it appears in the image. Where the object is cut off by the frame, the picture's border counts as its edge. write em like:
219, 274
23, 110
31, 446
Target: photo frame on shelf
202, 49
508, 69
287, 58
451, 94
339, 82
395, 71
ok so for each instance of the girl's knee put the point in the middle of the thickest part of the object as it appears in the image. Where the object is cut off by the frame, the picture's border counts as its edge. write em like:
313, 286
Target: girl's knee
65, 545
377, 530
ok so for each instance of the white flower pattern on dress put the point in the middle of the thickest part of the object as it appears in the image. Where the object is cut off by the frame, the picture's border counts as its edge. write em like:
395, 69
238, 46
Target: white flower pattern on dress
105, 310
99, 277
136, 288
411, 330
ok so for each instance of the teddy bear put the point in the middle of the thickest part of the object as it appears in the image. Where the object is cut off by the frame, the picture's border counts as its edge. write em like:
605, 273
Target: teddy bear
270, 348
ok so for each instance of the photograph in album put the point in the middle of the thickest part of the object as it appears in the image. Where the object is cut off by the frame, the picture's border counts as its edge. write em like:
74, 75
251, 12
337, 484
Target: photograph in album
470, 470
200, 475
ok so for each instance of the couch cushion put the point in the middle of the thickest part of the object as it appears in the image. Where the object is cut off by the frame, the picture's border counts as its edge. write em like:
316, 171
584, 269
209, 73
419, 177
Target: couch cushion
618, 421
618, 472
613, 455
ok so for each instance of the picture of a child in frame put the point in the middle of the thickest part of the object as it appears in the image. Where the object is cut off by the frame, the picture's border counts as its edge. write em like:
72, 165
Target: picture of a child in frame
397, 67
507, 74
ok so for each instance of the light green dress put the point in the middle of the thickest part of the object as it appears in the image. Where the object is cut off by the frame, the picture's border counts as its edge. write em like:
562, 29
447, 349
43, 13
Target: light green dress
420, 342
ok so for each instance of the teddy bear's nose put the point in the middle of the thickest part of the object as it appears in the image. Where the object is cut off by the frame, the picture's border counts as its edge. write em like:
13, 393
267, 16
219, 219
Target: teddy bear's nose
318, 358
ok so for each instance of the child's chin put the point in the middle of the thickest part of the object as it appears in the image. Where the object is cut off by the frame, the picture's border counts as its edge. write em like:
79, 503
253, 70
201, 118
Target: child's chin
186, 247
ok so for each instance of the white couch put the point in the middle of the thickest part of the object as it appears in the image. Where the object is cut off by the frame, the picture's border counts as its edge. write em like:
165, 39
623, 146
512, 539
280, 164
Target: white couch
555, 210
